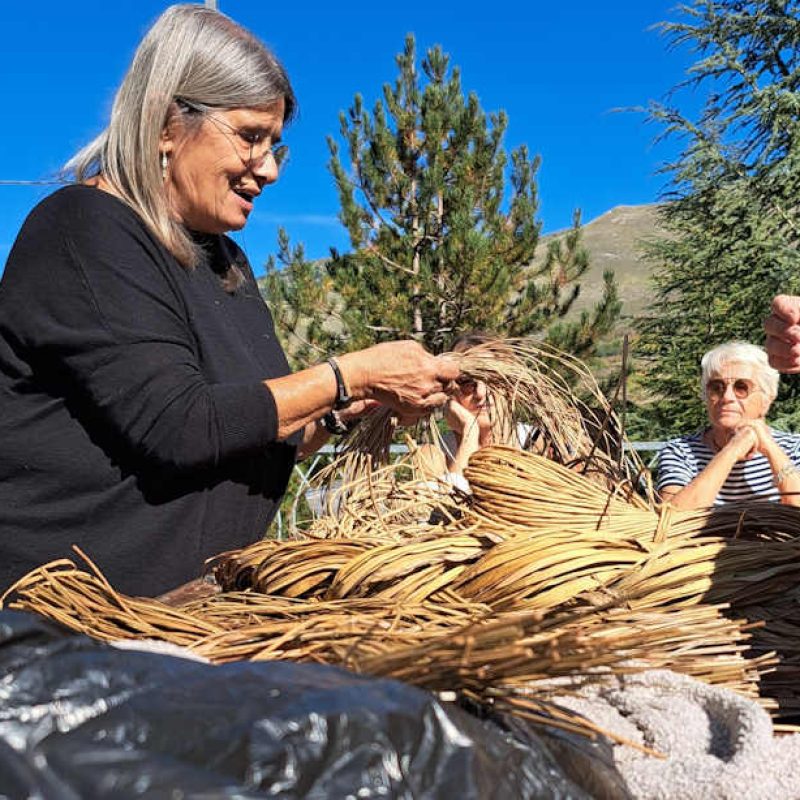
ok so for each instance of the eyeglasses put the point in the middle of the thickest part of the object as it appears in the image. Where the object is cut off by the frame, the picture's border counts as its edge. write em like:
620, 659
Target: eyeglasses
258, 145
742, 387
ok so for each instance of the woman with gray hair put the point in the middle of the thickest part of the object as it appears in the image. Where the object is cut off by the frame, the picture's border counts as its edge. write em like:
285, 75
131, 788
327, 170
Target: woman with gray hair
738, 456
147, 411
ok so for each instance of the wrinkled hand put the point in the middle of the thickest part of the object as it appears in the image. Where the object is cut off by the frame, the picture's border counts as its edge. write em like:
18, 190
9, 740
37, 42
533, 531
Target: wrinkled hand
763, 435
744, 443
358, 409
782, 327
401, 375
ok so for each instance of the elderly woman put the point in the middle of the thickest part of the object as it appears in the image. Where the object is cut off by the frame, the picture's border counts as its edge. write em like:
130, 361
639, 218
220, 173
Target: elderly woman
737, 457
147, 411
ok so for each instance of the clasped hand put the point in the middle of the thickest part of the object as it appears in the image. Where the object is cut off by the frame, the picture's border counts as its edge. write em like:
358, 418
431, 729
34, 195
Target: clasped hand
749, 439
467, 412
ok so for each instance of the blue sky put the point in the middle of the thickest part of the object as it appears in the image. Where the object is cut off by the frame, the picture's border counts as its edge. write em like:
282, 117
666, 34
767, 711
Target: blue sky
557, 68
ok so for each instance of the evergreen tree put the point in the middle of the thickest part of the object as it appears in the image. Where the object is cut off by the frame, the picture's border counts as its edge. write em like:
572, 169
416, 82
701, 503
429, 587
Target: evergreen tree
731, 218
438, 244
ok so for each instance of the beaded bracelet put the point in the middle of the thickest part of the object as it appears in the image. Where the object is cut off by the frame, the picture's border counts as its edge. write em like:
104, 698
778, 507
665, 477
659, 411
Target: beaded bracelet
784, 472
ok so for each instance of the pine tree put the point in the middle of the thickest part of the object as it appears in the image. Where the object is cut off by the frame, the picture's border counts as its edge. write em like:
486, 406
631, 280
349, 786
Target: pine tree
731, 218
439, 244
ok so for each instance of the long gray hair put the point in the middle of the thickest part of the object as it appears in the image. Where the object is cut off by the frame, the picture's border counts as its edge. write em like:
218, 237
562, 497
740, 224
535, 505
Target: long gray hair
192, 53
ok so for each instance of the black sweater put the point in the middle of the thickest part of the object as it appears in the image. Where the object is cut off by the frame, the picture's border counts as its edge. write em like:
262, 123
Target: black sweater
133, 418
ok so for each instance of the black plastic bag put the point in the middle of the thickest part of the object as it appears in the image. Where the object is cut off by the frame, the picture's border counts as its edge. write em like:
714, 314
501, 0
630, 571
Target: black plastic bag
79, 719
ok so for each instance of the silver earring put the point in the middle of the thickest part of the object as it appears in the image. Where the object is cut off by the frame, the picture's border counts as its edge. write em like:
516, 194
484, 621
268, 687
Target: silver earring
163, 166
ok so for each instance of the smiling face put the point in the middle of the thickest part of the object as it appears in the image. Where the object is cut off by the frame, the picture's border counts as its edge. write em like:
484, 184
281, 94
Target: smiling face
727, 406
211, 183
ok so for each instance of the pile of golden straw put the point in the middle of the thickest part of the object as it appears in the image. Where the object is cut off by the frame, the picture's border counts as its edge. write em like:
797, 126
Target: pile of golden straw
527, 382
544, 574
504, 660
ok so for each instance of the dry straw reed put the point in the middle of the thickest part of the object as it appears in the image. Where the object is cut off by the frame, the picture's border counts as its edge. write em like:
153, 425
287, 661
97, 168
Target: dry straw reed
526, 381
540, 536
86, 602
507, 660
260, 628
554, 568
519, 493
521, 653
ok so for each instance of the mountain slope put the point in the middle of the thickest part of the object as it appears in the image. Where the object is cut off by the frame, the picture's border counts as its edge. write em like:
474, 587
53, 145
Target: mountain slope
613, 241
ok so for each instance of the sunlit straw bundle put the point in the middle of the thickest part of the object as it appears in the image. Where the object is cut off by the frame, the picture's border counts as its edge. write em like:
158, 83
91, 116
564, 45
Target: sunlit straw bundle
515, 493
397, 570
537, 574
408, 572
518, 493
236, 625
526, 382
395, 501
303, 568
454, 644
518, 653
86, 602
263, 628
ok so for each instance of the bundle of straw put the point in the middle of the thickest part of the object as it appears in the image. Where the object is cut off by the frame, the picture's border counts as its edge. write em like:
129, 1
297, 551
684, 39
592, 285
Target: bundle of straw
395, 501
518, 493
85, 602
302, 568
545, 573
454, 645
262, 628
408, 572
522, 652
526, 381
541, 536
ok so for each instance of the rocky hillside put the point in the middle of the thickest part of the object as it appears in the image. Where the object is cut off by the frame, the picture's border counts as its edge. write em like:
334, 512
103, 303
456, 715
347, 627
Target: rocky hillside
613, 243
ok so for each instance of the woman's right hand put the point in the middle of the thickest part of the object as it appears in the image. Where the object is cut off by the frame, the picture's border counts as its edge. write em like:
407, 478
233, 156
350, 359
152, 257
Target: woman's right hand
401, 375
783, 333
744, 442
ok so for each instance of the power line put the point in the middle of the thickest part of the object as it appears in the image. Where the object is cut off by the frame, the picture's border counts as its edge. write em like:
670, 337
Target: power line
209, 4
50, 182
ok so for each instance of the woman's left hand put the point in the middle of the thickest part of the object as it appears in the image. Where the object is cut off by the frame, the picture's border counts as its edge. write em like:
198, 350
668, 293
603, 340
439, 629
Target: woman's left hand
763, 436
358, 409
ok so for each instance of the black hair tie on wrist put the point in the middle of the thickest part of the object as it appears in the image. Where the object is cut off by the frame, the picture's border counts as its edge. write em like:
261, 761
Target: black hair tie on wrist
343, 398
334, 424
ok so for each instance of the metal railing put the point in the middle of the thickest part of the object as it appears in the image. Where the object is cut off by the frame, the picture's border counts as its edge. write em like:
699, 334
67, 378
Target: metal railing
306, 469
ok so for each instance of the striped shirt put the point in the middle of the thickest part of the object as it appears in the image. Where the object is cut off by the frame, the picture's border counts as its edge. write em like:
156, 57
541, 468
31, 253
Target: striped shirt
683, 459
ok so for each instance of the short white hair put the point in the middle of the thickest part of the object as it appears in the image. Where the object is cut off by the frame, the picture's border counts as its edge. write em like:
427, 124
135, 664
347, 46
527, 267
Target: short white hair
715, 360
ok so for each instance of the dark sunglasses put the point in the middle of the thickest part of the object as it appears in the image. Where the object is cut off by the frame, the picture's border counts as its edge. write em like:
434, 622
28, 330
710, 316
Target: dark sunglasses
742, 387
